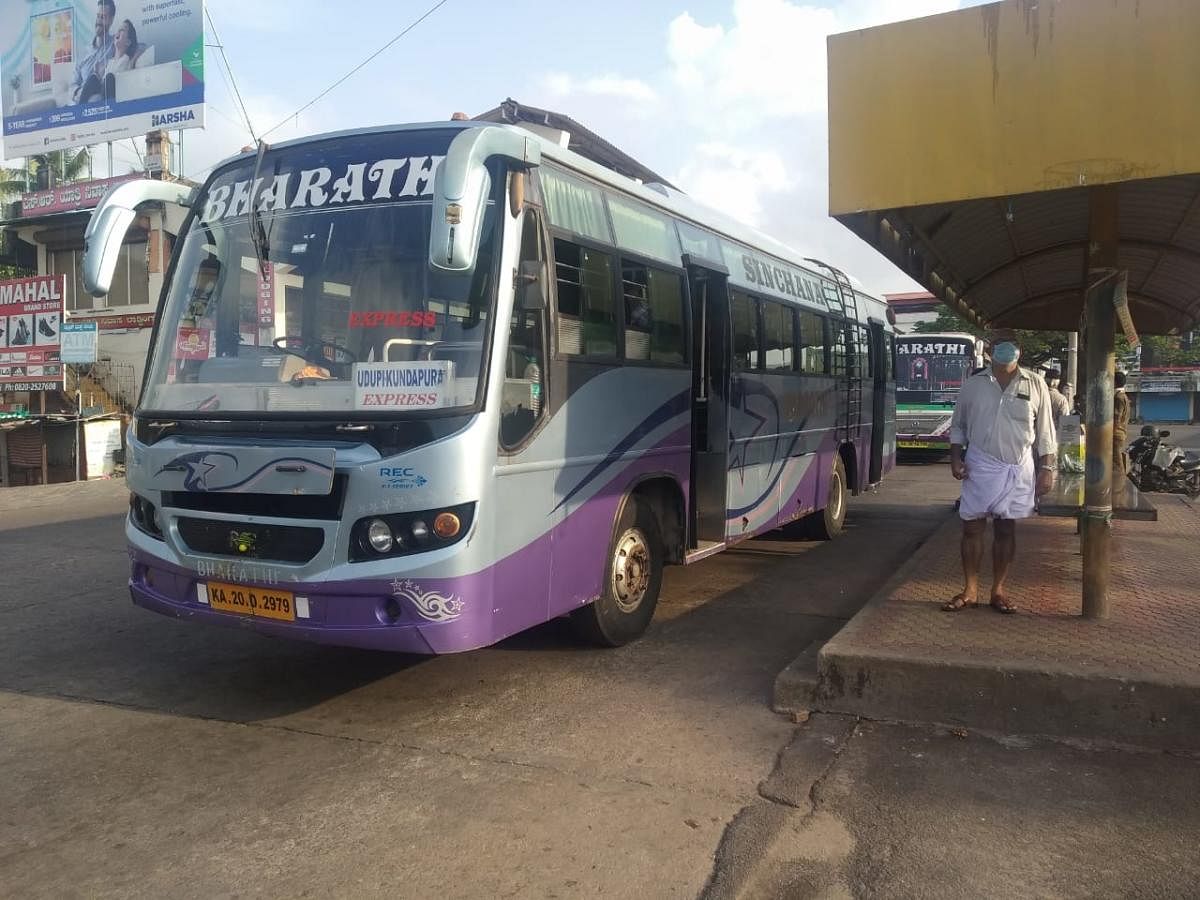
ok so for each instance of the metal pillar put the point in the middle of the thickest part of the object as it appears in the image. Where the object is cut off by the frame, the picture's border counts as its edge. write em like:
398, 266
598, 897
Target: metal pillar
1071, 373
1100, 362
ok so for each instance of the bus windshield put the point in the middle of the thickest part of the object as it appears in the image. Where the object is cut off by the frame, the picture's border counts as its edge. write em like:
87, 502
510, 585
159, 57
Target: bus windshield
931, 369
333, 298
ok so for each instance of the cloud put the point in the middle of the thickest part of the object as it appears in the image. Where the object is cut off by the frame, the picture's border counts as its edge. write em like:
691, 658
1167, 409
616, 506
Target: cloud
560, 85
734, 179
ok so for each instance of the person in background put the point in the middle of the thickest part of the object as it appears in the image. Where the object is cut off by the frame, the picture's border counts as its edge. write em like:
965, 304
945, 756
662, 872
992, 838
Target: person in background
1058, 400
1003, 415
1120, 462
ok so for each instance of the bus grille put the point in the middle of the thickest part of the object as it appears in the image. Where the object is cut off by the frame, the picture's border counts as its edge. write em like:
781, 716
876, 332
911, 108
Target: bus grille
281, 543
276, 506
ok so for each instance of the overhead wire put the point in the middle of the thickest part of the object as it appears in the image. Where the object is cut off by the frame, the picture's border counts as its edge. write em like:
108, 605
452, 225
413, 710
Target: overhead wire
429, 12
232, 79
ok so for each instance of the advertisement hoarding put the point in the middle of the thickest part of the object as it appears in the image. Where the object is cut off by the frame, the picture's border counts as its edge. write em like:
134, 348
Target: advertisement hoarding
31, 314
78, 72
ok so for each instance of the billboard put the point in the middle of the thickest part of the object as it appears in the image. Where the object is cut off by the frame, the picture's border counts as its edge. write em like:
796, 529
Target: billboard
78, 72
31, 317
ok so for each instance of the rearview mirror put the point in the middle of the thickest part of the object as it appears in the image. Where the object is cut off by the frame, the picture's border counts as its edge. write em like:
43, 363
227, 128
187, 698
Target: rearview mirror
1164, 434
461, 188
106, 229
531, 280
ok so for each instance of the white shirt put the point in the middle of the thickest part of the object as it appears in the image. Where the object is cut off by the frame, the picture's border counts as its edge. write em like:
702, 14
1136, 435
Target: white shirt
1005, 423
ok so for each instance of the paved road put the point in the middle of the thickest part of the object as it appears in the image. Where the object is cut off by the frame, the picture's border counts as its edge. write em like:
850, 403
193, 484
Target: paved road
1185, 436
145, 757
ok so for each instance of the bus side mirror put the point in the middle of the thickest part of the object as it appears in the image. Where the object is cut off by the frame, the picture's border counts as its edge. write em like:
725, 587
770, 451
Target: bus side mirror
531, 280
461, 188
106, 228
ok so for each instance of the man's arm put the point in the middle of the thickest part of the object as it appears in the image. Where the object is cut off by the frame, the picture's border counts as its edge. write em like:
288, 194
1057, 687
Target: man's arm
958, 432
1045, 442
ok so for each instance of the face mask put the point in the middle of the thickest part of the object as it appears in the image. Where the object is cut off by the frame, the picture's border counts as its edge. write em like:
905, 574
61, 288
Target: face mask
1005, 353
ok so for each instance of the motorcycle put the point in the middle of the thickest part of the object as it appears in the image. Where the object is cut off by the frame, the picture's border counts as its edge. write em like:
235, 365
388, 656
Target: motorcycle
1155, 466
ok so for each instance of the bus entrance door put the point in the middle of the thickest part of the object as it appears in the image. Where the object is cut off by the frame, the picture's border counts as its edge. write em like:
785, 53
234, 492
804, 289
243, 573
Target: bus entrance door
709, 294
879, 405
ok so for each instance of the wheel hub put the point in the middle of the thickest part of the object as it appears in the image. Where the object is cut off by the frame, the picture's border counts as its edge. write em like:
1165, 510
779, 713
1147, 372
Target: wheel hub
631, 571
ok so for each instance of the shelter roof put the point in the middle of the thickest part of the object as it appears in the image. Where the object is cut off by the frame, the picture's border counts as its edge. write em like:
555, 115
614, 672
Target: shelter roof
1004, 155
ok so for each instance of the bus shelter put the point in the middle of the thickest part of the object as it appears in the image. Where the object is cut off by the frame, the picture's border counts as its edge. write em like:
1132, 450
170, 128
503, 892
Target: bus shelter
1034, 165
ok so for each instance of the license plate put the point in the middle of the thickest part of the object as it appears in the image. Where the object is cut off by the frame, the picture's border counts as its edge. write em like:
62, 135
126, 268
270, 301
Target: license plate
919, 445
248, 601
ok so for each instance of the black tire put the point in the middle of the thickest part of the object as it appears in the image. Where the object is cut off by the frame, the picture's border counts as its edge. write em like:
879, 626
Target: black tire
828, 523
635, 557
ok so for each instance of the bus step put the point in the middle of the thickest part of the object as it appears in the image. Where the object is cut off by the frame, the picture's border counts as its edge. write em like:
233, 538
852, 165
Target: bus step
704, 550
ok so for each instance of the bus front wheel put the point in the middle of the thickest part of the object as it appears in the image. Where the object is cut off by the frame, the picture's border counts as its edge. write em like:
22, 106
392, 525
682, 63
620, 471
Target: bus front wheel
827, 524
632, 580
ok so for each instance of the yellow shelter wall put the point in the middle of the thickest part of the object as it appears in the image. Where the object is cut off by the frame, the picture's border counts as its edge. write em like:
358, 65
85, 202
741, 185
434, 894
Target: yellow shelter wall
1013, 97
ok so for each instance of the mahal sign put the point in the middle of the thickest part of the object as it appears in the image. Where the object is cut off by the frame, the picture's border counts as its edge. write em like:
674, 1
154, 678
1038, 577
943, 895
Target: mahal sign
31, 313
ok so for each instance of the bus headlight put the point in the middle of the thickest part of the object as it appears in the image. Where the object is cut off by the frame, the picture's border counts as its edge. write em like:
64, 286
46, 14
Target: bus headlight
403, 534
379, 536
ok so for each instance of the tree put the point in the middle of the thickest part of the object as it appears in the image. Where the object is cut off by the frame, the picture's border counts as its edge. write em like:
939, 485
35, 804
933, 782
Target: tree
59, 166
1036, 346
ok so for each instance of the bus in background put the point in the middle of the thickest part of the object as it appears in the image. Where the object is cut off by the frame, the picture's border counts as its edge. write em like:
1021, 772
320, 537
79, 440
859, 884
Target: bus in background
930, 370
420, 388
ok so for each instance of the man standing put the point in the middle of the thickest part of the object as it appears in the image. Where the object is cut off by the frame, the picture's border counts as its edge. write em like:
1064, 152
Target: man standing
1004, 416
1059, 404
1120, 426
88, 82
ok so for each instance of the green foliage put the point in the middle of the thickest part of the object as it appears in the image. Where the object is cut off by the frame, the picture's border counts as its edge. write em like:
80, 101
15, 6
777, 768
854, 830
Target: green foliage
64, 166
1036, 346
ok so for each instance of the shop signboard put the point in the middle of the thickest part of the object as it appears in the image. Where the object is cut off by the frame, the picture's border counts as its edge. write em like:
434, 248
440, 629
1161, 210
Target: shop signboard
79, 342
76, 72
73, 197
1160, 385
31, 313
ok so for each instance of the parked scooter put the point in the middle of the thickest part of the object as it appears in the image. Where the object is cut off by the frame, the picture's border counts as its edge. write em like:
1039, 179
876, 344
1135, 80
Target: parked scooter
1155, 466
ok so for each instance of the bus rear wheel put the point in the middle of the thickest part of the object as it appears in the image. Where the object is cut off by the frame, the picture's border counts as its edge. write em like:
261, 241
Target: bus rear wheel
828, 523
632, 581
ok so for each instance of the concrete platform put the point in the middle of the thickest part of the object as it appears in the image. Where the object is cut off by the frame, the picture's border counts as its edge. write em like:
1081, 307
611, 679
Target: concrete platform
1131, 679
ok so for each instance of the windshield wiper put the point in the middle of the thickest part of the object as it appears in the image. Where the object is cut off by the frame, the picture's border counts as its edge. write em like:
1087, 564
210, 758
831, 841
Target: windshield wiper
258, 235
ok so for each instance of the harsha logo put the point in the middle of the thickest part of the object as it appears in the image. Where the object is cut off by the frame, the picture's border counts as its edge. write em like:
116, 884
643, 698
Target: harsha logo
178, 117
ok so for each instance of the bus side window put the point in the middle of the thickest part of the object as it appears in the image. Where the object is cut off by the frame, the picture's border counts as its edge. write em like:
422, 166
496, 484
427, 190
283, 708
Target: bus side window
523, 403
779, 336
812, 343
587, 321
744, 310
837, 331
653, 313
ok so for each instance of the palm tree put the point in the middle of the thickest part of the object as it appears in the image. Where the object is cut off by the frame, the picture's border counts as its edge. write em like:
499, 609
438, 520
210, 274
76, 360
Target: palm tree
60, 167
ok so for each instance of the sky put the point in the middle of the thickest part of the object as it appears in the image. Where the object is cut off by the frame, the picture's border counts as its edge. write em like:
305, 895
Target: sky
725, 98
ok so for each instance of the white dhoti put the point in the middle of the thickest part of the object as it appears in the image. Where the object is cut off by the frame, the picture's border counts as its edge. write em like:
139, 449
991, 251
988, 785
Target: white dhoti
996, 488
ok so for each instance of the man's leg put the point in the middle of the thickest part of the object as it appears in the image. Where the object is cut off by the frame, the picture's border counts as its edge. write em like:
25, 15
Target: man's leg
972, 556
1004, 548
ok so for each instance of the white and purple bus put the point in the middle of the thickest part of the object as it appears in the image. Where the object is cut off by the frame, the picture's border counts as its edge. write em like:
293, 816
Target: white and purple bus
421, 388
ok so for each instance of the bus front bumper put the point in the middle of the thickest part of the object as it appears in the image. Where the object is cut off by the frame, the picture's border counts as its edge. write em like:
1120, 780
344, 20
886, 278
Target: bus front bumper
923, 442
360, 614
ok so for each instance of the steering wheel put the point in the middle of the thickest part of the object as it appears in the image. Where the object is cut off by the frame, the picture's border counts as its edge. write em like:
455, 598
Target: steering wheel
312, 351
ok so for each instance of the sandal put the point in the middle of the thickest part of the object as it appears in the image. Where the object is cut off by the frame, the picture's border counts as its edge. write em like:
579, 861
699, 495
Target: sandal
1001, 605
958, 602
